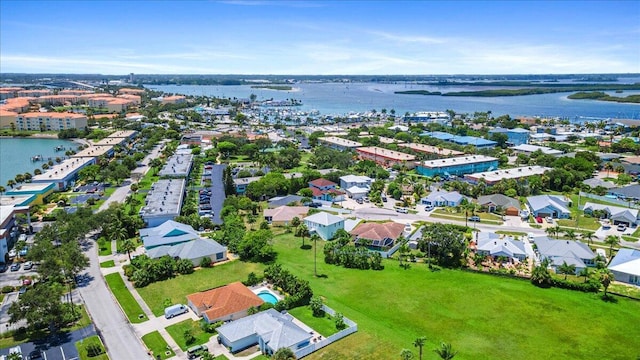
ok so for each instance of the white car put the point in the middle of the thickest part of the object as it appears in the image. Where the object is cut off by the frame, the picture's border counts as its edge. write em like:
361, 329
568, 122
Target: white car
549, 219
621, 227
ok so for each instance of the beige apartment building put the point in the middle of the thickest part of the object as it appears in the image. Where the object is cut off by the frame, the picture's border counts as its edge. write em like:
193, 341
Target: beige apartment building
50, 121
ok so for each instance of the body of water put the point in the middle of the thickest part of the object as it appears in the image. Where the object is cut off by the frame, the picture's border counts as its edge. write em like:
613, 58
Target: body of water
16, 154
343, 98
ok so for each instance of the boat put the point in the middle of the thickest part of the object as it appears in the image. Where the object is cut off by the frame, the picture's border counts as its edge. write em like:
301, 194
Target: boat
58, 148
36, 158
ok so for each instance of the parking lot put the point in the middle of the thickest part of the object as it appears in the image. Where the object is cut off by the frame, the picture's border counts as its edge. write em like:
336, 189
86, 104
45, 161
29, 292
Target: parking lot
60, 347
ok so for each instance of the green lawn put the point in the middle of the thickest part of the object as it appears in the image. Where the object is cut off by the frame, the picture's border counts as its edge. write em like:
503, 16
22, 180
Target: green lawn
482, 316
108, 264
82, 348
178, 288
177, 333
325, 326
104, 247
512, 233
130, 306
588, 223
156, 343
486, 218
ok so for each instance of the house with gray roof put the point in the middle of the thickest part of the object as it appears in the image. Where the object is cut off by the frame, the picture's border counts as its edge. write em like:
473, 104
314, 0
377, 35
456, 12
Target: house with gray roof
168, 233
283, 201
595, 182
442, 198
270, 330
625, 266
555, 206
495, 202
617, 214
193, 250
490, 244
561, 251
627, 192
324, 224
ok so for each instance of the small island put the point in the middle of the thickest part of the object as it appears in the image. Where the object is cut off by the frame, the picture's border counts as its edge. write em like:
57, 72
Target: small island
418, 92
599, 95
273, 87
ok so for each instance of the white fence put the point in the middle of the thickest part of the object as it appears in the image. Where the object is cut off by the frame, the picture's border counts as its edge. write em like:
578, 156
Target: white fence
627, 204
351, 328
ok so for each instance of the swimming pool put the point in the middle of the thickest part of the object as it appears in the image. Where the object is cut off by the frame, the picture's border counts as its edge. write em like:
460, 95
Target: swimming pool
267, 296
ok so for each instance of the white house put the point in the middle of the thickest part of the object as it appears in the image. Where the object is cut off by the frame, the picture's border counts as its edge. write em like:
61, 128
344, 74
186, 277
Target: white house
324, 224
490, 244
442, 198
625, 266
348, 181
617, 215
555, 206
561, 251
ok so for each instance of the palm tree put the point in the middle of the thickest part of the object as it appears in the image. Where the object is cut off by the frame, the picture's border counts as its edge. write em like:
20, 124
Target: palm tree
315, 237
128, 246
419, 343
585, 272
406, 354
570, 234
612, 240
606, 277
2, 189
608, 166
11, 183
588, 235
302, 231
445, 351
566, 269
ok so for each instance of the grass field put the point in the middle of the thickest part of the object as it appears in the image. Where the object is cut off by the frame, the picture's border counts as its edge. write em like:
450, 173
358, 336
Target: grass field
178, 288
108, 264
325, 326
104, 247
485, 218
130, 306
482, 316
155, 342
82, 348
587, 223
177, 333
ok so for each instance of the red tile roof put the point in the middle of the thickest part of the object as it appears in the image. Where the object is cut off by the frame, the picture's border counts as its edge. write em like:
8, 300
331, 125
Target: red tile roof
321, 182
378, 231
225, 300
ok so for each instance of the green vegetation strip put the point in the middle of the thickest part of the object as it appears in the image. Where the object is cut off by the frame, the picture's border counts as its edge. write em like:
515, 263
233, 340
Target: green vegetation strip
83, 345
325, 326
272, 87
177, 332
599, 95
158, 346
104, 247
129, 305
483, 316
108, 264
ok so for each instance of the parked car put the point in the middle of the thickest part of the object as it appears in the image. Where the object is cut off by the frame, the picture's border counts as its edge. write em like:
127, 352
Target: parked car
175, 310
359, 201
621, 227
428, 208
384, 199
15, 267
539, 220
474, 218
35, 354
4, 267
28, 265
366, 199
549, 219
196, 351
26, 282
315, 205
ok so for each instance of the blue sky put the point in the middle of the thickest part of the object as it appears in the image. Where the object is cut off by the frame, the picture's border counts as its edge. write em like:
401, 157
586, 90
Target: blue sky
319, 37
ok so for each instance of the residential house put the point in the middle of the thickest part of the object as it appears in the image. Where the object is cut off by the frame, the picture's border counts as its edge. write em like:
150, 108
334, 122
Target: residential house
595, 182
442, 198
516, 136
269, 329
625, 266
283, 200
490, 244
168, 233
496, 202
617, 215
283, 215
223, 303
377, 236
555, 206
559, 252
627, 192
193, 250
348, 181
326, 190
528, 149
324, 224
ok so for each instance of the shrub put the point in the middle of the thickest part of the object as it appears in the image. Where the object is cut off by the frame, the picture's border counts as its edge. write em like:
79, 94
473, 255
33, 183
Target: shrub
339, 321
589, 286
184, 266
7, 289
188, 337
94, 350
205, 262
210, 328
252, 279
316, 306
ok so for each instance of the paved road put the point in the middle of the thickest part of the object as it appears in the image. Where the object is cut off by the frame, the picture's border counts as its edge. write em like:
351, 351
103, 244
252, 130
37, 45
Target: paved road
61, 347
118, 335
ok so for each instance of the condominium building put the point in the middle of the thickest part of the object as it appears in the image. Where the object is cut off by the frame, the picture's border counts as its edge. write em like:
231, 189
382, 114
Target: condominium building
457, 166
428, 149
164, 202
494, 176
50, 121
338, 143
386, 157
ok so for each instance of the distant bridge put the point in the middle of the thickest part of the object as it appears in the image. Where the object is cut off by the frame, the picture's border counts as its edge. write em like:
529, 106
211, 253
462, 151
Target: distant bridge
69, 83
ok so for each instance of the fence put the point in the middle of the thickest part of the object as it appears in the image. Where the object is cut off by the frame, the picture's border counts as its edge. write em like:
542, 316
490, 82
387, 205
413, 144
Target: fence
627, 204
351, 328
386, 254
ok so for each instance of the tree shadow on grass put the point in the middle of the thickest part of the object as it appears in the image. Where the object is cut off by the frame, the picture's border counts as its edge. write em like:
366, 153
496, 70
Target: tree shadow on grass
610, 299
322, 276
305, 247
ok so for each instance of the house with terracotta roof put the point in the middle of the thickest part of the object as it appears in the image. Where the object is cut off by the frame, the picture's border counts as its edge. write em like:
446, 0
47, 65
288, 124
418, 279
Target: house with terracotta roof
283, 215
326, 190
224, 303
377, 236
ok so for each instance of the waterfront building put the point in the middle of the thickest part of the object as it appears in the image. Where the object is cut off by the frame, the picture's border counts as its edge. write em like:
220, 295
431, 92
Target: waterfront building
131, 91
34, 93
65, 173
7, 118
10, 207
95, 151
428, 149
164, 201
9, 92
516, 136
457, 166
528, 149
337, 143
176, 99
39, 190
50, 121
57, 99
437, 117
479, 143
386, 157
494, 176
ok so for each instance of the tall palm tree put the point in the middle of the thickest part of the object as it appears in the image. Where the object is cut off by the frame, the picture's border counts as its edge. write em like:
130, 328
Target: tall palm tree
570, 234
419, 343
406, 354
445, 351
585, 272
588, 235
11, 183
2, 190
566, 269
612, 240
128, 246
315, 237
606, 278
